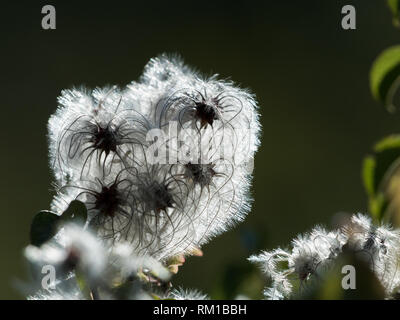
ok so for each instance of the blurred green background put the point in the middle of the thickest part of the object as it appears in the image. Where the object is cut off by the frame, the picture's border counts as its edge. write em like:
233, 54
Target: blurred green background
310, 77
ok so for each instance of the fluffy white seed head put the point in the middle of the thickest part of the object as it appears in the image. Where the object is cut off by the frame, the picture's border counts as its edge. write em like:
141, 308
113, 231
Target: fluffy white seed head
102, 266
102, 153
317, 250
72, 249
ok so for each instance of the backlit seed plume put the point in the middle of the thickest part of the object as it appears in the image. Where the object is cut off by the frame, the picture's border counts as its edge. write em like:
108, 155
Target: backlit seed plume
187, 294
89, 129
163, 164
73, 249
110, 272
379, 246
315, 252
198, 102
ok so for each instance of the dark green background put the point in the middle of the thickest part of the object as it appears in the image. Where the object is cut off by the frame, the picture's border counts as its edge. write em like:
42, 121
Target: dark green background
310, 77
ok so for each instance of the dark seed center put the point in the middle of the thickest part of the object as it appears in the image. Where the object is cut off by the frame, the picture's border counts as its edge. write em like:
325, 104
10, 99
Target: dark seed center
105, 139
206, 113
107, 201
200, 173
158, 197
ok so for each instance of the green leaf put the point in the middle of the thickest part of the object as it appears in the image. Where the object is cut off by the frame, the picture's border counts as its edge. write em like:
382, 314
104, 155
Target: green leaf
394, 6
368, 171
377, 200
390, 142
45, 224
43, 227
377, 171
384, 75
377, 167
75, 213
83, 285
377, 206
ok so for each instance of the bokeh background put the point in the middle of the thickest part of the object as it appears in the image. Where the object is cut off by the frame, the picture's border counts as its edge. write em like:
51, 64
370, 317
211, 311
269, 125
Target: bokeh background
310, 76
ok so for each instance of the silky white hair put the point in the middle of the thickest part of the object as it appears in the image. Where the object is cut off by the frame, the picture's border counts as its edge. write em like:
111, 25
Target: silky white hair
314, 252
99, 143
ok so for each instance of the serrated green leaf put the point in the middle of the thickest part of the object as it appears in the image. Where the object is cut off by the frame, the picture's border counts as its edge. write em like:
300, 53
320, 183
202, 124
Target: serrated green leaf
384, 75
75, 213
43, 227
